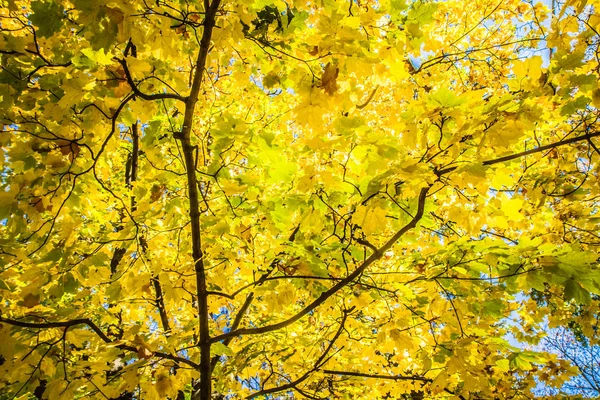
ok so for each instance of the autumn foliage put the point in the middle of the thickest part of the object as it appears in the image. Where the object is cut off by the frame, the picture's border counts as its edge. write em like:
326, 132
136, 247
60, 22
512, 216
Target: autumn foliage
364, 199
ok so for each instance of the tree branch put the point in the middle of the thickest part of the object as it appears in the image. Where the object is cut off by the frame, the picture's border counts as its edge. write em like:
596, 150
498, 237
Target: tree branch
202, 392
160, 304
318, 364
145, 96
366, 103
236, 323
526, 153
376, 255
379, 376
97, 330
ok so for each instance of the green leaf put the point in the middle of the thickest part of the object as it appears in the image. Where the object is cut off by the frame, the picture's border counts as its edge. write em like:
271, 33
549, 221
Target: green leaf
446, 98
220, 349
569, 61
47, 17
518, 361
574, 291
422, 13
571, 107
398, 5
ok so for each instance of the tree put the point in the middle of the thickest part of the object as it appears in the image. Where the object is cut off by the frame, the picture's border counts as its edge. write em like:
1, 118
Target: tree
577, 344
249, 199
581, 355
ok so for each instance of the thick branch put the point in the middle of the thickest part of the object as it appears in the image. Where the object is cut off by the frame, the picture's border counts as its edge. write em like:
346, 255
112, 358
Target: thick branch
160, 304
204, 391
379, 376
236, 323
390, 377
135, 155
526, 153
338, 286
97, 330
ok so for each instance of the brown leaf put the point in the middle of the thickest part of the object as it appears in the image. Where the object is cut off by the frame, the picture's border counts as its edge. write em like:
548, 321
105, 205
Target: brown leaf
142, 347
157, 192
121, 90
31, 300
329, 79
38, 203
68, 148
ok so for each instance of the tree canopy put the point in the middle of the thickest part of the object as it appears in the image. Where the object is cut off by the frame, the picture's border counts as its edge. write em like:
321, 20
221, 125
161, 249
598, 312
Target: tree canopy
363, 199
576, 348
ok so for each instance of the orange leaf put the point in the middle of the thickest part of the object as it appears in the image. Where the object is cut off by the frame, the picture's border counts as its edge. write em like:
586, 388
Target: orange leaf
329, 79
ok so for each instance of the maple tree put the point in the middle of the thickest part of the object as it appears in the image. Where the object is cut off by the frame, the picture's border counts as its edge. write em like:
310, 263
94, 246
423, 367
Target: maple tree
570, 345
259, 198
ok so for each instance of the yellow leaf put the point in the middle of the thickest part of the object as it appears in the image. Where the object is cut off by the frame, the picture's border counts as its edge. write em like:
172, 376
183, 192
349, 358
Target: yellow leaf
501, 177
149, 391
165, 385
48, 366
370, 219
57, 389
232, 187
98, 57
503, 365
130, 378
439, 383
138, 67
512, 209
529, 68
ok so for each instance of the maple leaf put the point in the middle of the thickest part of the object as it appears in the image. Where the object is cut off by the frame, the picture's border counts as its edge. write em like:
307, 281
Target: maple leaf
143, 350
31, 300
329, 79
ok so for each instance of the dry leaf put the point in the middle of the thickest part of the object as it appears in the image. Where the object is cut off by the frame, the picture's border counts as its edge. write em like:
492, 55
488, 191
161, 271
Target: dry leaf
329, 79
